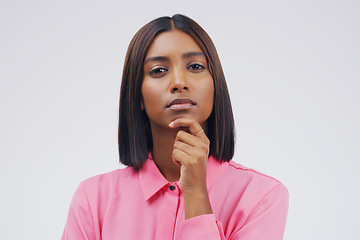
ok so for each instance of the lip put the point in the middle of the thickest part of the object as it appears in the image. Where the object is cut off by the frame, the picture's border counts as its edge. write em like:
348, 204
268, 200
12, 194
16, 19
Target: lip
181, 103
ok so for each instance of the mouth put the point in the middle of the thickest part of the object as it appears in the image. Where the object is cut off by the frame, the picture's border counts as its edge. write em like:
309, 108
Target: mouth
181, 104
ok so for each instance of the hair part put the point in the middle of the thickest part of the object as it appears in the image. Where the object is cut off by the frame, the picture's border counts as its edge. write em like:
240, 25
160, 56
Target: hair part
134, 133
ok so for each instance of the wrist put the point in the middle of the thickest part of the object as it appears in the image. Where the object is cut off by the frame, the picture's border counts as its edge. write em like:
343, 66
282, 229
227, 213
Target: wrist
197, 203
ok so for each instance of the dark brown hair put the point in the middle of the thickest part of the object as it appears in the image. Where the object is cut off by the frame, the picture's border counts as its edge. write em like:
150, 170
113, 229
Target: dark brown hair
134, 136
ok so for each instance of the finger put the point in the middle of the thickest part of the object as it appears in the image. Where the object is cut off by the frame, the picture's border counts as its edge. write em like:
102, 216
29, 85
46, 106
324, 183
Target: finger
191, 140
183, 147
192, 124
179, 157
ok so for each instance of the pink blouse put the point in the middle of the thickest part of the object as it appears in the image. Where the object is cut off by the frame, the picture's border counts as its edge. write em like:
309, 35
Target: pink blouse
129, 204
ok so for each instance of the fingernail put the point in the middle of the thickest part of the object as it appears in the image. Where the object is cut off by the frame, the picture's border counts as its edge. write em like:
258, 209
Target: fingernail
171, 124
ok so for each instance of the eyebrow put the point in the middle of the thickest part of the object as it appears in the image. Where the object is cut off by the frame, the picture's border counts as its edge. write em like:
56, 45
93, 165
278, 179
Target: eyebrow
163, 58
191, 54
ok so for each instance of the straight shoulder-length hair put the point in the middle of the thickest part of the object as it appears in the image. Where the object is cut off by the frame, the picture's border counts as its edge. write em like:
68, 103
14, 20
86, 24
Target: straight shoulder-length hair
134, 133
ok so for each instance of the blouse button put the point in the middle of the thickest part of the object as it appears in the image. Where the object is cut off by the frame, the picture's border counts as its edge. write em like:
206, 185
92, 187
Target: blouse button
172, 187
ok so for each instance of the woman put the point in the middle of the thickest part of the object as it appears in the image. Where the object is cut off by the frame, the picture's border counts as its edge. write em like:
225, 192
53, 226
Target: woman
176, 135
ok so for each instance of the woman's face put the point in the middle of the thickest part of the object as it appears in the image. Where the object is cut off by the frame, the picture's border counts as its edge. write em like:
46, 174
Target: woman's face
177, 82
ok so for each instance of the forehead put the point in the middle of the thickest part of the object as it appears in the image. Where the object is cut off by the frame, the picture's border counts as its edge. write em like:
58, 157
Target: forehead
172, 42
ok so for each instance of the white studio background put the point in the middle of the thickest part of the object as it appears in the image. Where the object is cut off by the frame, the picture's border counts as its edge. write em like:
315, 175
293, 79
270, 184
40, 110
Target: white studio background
293, 73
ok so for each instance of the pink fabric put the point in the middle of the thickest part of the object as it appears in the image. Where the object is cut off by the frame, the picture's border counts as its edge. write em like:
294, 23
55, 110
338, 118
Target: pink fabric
129, 204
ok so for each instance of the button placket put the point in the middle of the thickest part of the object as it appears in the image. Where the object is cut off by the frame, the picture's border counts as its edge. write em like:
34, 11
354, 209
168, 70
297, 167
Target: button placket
169, 211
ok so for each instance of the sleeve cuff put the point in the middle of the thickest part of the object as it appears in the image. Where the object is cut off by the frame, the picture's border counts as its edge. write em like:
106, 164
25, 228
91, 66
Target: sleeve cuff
203, 226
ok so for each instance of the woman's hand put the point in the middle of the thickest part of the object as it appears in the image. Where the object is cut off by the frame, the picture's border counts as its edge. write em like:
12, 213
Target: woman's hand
191, 150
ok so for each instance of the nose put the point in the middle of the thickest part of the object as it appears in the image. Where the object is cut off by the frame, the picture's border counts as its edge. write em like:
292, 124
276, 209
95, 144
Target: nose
178, 81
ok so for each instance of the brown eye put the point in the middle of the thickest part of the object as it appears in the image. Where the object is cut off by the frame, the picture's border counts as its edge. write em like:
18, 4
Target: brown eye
196, 67
158, 72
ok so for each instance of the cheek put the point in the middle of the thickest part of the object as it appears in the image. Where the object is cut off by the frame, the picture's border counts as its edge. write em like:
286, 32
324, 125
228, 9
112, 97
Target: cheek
145, 95
150, 96
207, 96
209, 90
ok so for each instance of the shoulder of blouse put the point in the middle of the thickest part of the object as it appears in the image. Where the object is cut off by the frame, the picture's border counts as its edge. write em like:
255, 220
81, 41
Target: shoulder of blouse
110, 178
251, 172
254, 181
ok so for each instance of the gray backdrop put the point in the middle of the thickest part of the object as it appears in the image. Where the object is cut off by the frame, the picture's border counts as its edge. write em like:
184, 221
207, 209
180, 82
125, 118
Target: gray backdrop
292, 68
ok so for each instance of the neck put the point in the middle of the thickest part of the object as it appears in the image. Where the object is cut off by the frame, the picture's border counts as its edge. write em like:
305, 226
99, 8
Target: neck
163, 143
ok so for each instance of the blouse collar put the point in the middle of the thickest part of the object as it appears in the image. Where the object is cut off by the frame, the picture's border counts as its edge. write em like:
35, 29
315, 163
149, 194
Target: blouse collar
152, 181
